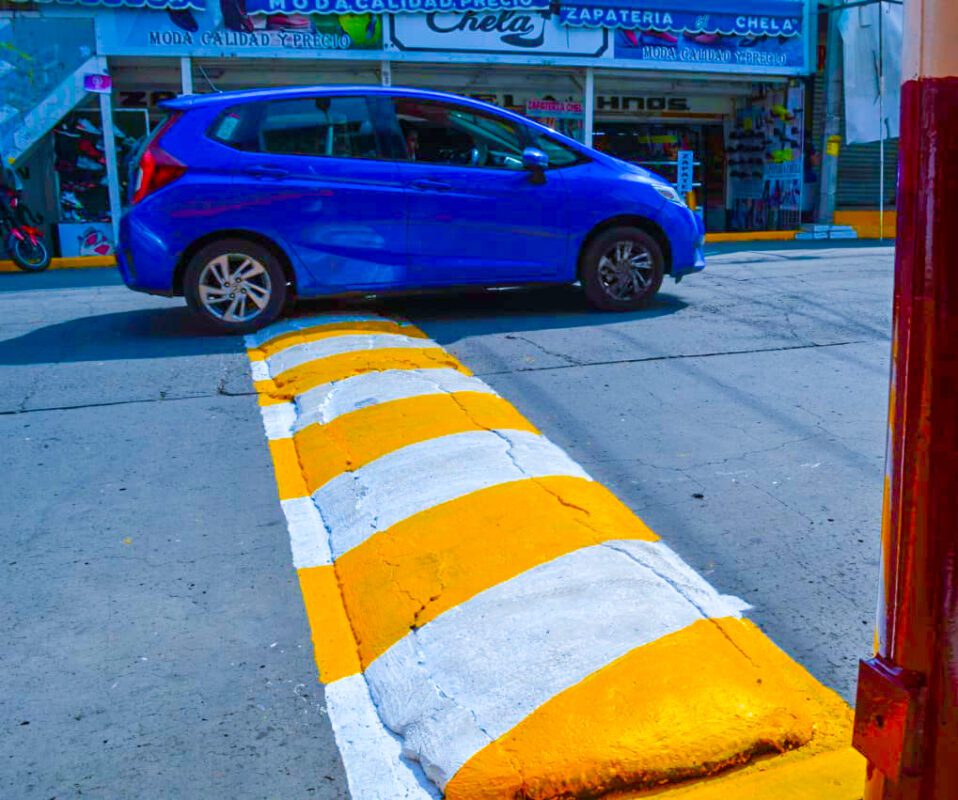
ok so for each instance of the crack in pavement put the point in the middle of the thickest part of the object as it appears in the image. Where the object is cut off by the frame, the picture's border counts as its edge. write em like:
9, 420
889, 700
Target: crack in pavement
164, 398
675, 357
541, 348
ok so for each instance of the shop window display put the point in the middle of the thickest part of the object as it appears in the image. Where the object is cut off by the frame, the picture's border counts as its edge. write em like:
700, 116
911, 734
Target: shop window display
765, 162
656, 147
82, 188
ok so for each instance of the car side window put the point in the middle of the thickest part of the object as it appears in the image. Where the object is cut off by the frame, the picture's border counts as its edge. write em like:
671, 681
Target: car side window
559, 154
336, 127
444, 133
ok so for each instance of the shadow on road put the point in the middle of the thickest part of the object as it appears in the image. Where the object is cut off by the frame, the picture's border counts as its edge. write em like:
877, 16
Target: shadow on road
171, 332
453, 316
144, 333
59, 279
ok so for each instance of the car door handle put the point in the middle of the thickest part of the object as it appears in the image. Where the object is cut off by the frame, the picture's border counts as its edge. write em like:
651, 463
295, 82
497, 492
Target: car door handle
276, 173
427, 185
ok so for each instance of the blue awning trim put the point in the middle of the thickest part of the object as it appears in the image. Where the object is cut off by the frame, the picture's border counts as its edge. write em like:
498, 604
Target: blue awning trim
734, 18
386, 6
158, 5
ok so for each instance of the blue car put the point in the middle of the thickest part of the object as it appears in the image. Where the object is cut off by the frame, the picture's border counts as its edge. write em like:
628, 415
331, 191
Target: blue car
244, 200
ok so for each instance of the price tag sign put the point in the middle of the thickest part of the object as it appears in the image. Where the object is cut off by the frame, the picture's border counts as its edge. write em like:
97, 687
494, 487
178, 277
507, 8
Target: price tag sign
686, 162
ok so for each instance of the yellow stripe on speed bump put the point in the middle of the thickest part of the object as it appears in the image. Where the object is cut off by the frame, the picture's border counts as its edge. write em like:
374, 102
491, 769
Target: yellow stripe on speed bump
284, 387
658, 716
333, 643
406, 576
831, 775
353, 440
318, 332
286, 467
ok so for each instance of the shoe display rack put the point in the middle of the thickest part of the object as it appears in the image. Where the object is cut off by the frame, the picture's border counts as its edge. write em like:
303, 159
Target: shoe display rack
84, 227
765, 162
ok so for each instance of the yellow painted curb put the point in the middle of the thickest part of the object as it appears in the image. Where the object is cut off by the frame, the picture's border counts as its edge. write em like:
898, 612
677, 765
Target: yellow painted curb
835, 775
867, 224
80, 262
283, 387
713, 710
352, 440
751, 236
657, 716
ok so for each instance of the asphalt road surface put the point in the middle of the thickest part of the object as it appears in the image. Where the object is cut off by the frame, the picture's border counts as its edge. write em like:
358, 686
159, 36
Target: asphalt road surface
156, 641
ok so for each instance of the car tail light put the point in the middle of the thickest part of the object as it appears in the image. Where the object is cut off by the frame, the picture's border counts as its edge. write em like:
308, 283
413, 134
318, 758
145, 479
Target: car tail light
157, 168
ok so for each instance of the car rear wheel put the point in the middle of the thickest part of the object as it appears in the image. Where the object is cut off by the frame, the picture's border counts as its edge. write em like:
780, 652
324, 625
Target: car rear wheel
621, 269
235, 286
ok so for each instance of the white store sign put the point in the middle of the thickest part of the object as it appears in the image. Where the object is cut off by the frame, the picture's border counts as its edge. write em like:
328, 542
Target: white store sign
523, 32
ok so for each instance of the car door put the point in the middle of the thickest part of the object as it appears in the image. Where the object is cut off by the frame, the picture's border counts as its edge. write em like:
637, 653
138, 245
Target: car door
312, 168
475, 214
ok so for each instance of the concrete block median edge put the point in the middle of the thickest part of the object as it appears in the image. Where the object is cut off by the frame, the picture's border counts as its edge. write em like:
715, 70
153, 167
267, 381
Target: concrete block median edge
489, 621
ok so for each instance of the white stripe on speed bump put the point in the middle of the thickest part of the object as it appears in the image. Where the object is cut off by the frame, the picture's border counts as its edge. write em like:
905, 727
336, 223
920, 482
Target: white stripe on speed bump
278, 420
473, 673
299, 354
254, 340
308, 537
415, 478
323, 404
260, 371
372, 755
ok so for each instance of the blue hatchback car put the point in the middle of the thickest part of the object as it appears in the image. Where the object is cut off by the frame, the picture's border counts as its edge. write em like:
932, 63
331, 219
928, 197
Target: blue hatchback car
244, 200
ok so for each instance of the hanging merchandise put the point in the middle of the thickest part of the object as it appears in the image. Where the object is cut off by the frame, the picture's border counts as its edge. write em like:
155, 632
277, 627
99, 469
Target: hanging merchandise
83, 193
764, 148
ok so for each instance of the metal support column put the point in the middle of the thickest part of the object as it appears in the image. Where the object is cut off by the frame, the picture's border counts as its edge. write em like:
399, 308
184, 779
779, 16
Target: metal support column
186, 75
906, 717
112, 168
386, 72
589, 104
828, 183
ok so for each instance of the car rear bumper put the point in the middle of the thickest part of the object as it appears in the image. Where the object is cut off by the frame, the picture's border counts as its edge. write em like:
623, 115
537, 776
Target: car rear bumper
145, 261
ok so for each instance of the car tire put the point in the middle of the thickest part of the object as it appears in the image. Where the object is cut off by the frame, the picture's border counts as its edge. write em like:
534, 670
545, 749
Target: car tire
235, 286
621, 269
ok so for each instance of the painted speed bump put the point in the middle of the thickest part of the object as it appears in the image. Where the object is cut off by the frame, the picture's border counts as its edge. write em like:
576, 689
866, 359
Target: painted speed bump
488, 620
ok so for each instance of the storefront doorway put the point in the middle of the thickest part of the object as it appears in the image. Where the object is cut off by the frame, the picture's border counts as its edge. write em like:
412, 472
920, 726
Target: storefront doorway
655, 146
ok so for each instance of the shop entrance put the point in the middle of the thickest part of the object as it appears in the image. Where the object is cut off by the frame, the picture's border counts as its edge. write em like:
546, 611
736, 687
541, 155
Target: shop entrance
655, 146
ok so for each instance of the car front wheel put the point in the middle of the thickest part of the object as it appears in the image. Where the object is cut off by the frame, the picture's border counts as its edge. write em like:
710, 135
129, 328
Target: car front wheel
621, 269
235, 286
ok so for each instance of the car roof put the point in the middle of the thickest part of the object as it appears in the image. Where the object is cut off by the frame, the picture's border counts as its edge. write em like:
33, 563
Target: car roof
186, 102
225, 99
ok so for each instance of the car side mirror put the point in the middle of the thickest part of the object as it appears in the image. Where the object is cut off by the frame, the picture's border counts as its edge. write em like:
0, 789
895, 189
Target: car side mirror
536, 162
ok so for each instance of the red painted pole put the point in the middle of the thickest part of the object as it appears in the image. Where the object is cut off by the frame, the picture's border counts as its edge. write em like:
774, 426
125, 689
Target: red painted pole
907, 712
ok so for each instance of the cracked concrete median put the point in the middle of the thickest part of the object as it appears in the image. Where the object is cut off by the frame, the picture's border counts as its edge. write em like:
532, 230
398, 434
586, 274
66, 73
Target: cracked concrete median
478, 582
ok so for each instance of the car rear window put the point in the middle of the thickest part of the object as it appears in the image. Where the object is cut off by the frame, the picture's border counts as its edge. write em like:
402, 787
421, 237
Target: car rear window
236, 127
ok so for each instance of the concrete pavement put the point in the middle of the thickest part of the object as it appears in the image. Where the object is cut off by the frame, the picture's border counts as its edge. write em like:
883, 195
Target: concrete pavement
156, 645
745, 385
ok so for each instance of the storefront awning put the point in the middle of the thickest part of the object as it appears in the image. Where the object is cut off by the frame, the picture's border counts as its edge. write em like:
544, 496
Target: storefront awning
732, 18
386, 6
164, 5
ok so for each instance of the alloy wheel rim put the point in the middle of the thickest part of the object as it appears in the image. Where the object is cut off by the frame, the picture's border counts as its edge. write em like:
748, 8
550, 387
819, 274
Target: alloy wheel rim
626, 270
235, 287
